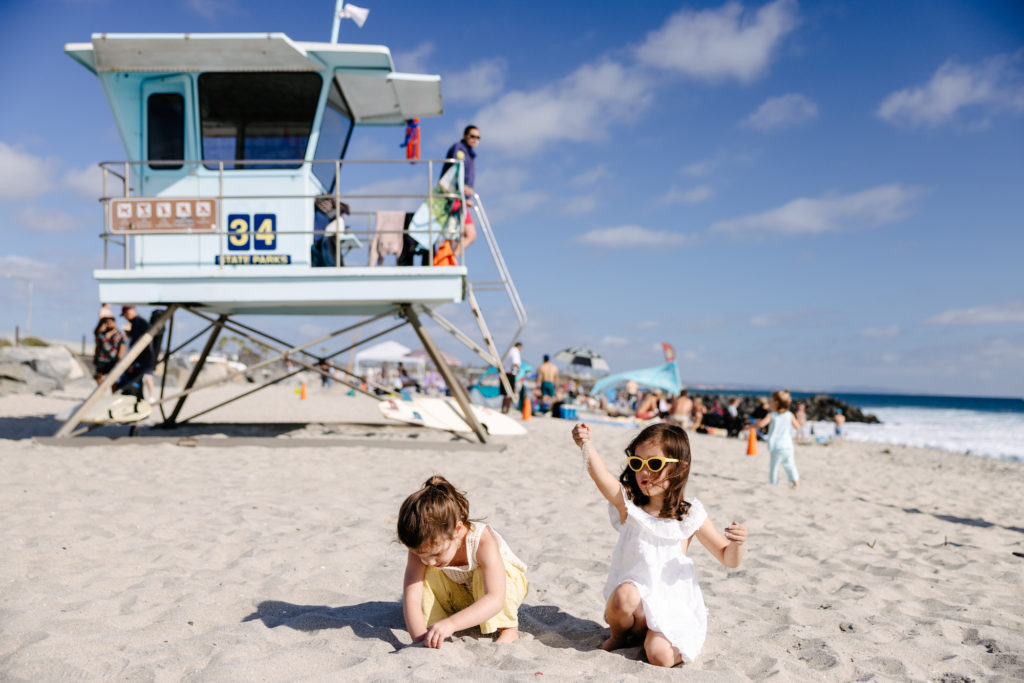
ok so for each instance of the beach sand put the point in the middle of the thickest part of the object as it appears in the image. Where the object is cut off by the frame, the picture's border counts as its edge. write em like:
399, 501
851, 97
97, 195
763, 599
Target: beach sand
276, 559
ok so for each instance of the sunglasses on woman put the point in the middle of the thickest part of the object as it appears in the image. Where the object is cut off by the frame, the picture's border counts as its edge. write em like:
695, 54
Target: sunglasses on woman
655, 464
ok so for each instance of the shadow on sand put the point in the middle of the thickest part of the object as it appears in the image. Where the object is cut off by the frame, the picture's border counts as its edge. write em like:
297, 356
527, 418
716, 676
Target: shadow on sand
379, 620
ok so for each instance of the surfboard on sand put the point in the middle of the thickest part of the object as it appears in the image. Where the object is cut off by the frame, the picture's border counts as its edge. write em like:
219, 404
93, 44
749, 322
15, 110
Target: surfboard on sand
445, 414
113, 409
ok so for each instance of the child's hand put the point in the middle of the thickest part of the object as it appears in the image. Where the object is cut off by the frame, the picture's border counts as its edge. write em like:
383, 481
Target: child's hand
437, 633
736, 532
581, 433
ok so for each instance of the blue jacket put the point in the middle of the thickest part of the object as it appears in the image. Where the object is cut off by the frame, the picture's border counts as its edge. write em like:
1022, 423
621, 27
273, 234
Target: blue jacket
468, 155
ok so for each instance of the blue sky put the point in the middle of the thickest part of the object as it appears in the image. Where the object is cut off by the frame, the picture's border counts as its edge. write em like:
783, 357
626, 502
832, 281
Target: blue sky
812, 195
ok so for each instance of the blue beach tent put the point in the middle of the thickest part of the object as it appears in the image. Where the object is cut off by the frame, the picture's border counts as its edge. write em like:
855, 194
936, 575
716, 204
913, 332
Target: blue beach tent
665, 377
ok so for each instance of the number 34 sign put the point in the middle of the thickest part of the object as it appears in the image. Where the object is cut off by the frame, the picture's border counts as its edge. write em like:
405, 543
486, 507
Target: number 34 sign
258, 232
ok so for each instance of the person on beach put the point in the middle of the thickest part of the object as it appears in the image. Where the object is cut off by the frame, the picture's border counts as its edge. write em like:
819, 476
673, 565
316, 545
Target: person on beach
110, 344
652, 592
465, 151
512, 362
840, 420
781, 427
459, 573
801, 421
547, 375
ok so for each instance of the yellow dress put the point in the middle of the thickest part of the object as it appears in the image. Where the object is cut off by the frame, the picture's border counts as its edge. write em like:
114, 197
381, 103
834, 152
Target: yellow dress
447, 590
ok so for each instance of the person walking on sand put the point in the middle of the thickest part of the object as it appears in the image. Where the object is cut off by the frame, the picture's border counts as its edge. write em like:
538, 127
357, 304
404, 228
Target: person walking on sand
513, 361
459, 573
652, 592
781, 427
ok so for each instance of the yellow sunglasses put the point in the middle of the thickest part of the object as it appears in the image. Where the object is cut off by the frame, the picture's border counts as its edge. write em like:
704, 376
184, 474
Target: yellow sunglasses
655, 464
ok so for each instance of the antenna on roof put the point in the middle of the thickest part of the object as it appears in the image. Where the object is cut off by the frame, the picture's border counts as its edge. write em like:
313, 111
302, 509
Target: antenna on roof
349, 11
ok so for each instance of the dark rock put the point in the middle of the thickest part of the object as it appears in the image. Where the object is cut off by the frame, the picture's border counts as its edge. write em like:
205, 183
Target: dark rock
819, 407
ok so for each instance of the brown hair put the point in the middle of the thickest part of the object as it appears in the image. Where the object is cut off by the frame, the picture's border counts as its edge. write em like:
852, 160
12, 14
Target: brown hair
432, 513
675, 444
782, 399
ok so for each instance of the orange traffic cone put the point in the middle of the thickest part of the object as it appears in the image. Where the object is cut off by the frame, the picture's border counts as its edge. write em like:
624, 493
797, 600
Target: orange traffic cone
527, 409
302, 395
752, 441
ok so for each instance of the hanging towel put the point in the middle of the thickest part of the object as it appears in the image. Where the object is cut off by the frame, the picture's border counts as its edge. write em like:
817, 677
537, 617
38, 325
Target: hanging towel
387, 236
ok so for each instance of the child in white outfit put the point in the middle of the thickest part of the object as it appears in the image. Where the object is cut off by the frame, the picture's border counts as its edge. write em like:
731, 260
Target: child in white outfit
780, 438
652, 591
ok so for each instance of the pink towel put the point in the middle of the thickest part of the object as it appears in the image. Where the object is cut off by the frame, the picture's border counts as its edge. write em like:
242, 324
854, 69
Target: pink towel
387, 237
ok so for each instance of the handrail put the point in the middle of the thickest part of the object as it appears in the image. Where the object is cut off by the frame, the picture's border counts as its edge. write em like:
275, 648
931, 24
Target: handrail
499, 263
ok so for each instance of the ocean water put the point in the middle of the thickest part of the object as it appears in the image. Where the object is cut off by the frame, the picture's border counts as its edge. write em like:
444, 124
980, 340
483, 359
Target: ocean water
986, 427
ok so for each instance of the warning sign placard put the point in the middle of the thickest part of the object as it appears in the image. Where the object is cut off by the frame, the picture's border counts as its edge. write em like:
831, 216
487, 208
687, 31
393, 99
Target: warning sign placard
178, 214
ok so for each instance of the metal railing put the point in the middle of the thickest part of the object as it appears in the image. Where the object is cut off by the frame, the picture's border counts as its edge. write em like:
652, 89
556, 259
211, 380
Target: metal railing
204, 176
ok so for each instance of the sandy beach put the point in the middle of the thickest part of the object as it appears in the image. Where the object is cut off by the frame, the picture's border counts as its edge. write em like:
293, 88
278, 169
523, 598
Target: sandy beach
257, 553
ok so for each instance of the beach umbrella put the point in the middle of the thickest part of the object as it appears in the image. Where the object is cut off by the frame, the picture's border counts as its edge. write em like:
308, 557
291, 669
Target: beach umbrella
583, 357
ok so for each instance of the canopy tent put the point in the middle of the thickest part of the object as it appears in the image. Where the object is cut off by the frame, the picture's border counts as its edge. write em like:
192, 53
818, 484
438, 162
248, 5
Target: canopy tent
390, 352
665, 377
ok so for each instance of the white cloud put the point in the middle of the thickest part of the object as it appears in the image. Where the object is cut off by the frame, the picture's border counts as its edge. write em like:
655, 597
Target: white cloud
699, 169
580, 204
694, 195
778, 319
35, 220
782, 111
804, 216
648, 324
625, 236
512, 196
212, 9
613, 342
479, 83
579, 108
878, 332
88, 182
1012, 312
995, 85
24, 268
22, 175
592, 176
727, 42
415, 60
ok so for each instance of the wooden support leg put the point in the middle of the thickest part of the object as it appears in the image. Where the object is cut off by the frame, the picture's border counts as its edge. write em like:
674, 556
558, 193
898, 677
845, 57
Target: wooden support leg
210, 341
115, 374
458, 391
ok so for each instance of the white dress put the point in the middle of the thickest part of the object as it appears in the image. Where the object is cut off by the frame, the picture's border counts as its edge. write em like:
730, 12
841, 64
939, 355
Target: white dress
650, 556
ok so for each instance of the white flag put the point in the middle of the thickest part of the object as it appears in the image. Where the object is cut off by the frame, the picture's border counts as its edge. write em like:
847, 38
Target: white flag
356, 14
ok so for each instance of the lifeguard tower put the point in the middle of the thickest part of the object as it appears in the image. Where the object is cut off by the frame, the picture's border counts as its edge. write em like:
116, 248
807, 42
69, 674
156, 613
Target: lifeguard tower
232, 143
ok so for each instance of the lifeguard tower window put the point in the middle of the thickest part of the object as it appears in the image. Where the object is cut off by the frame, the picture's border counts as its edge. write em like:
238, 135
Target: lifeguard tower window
256, 116
335, 129
165, 126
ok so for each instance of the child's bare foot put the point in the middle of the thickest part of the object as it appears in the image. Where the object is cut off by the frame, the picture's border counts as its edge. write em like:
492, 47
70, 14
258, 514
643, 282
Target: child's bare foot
795, 483
617, 642
507, 635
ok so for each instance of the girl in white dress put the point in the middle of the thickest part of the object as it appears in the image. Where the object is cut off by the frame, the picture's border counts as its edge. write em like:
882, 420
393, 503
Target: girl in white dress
459, 573
652, 591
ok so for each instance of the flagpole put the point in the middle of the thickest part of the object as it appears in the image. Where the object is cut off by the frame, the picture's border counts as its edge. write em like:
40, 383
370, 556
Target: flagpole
339, 5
